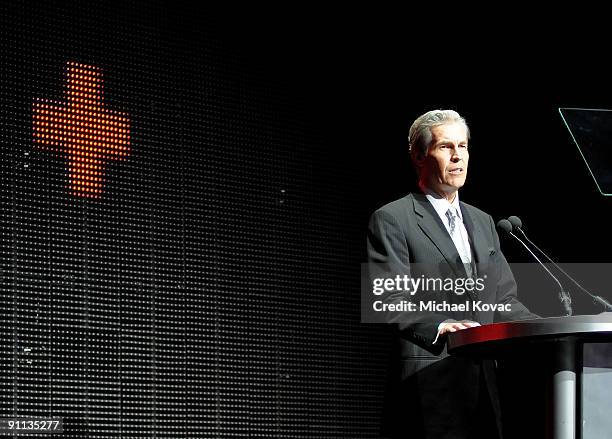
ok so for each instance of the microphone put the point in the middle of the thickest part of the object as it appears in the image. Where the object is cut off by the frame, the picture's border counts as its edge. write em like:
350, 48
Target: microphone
564, 296
517, 224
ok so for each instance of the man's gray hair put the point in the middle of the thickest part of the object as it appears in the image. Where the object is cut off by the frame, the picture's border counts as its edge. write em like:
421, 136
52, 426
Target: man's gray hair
420, 137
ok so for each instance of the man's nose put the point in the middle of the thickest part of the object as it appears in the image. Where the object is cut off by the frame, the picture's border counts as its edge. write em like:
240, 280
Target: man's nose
457, 155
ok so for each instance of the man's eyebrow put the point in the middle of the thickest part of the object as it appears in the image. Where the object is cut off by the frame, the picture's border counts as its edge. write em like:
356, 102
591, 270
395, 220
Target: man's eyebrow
445, 141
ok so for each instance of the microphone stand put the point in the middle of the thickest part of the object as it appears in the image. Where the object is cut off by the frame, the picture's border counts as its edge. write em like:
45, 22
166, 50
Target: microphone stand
596, 299
564, 296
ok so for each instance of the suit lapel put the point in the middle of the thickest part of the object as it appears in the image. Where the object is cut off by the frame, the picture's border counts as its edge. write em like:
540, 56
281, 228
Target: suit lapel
480, 249
432, 226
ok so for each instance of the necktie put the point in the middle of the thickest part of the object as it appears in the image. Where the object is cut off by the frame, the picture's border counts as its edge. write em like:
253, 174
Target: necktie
460, 241
463, 250
451, 220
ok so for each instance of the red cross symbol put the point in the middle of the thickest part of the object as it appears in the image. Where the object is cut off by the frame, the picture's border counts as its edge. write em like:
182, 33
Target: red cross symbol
82, 129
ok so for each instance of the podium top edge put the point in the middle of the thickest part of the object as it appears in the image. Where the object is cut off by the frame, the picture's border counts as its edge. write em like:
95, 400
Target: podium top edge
589, 327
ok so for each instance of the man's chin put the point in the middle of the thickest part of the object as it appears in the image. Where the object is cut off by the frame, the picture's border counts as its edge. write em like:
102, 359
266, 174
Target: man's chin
455, 185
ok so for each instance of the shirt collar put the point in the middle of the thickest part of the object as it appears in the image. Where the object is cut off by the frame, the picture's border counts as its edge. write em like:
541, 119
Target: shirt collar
441, 204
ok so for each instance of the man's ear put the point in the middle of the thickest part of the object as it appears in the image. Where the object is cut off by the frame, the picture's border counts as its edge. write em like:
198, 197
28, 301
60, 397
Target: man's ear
417, 158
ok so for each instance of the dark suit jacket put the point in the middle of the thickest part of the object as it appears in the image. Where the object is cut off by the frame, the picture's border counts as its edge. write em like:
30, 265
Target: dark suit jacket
431, 391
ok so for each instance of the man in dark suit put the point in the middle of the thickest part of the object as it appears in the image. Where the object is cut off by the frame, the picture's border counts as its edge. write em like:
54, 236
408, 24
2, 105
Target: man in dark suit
431, 235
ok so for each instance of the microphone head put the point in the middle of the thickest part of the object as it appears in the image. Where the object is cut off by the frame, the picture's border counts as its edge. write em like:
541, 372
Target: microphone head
515, 221
504, 225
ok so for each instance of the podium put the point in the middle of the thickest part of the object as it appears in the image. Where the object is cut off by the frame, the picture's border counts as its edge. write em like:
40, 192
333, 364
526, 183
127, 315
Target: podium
568, 345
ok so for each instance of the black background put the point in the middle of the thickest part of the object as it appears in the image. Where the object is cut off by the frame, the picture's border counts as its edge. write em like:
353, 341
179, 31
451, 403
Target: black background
263, 140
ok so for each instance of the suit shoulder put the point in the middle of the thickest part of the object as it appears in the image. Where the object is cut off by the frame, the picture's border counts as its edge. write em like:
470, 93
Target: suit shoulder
475, 211
397, 209
479, 215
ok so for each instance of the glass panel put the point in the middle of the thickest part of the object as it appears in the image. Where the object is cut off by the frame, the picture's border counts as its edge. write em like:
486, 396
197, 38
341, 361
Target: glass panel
591, 130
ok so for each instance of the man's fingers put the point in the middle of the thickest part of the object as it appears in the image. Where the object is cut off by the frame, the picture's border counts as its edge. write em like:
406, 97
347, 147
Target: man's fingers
456, 326
452, 327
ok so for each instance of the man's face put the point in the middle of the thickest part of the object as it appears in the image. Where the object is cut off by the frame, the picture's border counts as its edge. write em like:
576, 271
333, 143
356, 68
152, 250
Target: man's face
444, 167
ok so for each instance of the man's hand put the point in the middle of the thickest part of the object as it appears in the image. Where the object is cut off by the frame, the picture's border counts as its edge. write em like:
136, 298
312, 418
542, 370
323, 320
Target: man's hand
454, 326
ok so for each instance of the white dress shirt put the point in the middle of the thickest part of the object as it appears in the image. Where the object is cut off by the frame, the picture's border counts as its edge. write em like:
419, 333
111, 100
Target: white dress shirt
460, 237
441, 206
